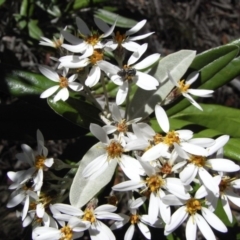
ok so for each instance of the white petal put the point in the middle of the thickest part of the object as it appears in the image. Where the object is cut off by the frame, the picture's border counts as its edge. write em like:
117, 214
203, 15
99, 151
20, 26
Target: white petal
136, 55
233, 197
79, 48
192, 101
227, 208
40, 210
128, 185
122, 93
145, 230
137, 202
172, 200
26, 207
192, 77
129, 233
139, 37
200, 92
109, 31
148, 61
93, 76
174, 186
162, 118
75, 86
213, 220
193, 149
219, 143
15, 200
111, 216
146, 81
50, 91
82, 27
71, 38
109, 129
68, 209
136, 27
191, 229
131, 46
153, 206
155, 152
223, 165
49, 73
203, 142
99, 133
188, 173
108, 68
101, 24
63, 94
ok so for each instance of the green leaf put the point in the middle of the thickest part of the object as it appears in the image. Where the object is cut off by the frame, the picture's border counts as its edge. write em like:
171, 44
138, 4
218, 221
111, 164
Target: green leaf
144, 102
232, 149
223, 119
85, 3
76, 111
24, 8
213, 75
83, 190
33, 29
2, 2
110, 18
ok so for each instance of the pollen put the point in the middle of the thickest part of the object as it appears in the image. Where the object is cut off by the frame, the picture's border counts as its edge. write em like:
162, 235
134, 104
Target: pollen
96, 56
166, 169
63, 82
134, 219
158, 138
114, 150
93, 40
66, 233
154, 183
193, 205
122, 126
182, 86
39, 162
199, 161
119, 38
171, 137
89, 215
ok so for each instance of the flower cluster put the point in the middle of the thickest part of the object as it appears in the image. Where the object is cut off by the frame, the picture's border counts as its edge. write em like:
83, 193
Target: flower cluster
155, 169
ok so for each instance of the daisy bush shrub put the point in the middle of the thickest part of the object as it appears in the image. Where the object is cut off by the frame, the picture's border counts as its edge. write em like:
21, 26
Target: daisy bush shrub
162, 161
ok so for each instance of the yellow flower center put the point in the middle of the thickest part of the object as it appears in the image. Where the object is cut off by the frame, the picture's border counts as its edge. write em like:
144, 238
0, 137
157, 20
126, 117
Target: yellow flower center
122, 126
134, 219
39, 161
225, 183
96, 56
89, 215
119, 38
182, 86
114, 150
157, 138
66, 233
154, 183
171, 137
93, 40
63, 82
193, 205
199, 161
166, 169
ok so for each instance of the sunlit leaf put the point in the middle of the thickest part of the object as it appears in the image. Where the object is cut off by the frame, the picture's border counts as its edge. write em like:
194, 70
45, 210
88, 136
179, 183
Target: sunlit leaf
83, 190
34, 30
85, 3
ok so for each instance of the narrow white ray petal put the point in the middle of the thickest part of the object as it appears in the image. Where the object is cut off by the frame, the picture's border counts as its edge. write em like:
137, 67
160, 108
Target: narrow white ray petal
137, 144
101, 24
109, 129
203, 142
185, 134
82, 27
108, 215
79, 48
192, 77
192, 101
145, 230
236, 183
140, 36
93, 76
137, 202
165, 211
116, 113
95, 165
49, 73
200, 92
162, 118
146, 81
105, 208
222, 165
201, 192
233, 197
15, 200
48, 233
129, 233
136, 27
213, 220
158, 224
71, 38
46, 39
146, 129
136, 55
109, 31
25, 207
204, 227
180, 152
68, 209
174, 186
72, 78
99, 133
177, 219
108, 68
227, 208
131, 46
75, 86
116, 79
119, 224
110, 46
219, 143
122, 93
208, 180
74, 62
188, 173
193, 149
148, 61
131, 167
152, 208
50, 91
172, 200
128, 185
155, 152
191, 229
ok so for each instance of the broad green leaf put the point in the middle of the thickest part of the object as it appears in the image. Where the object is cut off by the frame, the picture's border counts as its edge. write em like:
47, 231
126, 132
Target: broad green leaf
2, 2
232, 149
85, 3
143, 102
76, 111
110, 18
33, 29
223, 119
221, 70
83, 190
24, 8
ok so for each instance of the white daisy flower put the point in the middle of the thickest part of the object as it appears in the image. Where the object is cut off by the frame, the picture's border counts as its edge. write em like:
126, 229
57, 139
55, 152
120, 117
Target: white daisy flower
142, 221
90, 217
55, 43
90, 40
155, 185
72, 230
190, 210
179, 140
182, 87
197, 164
125, 40
129, 73
62, 82
114, 152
